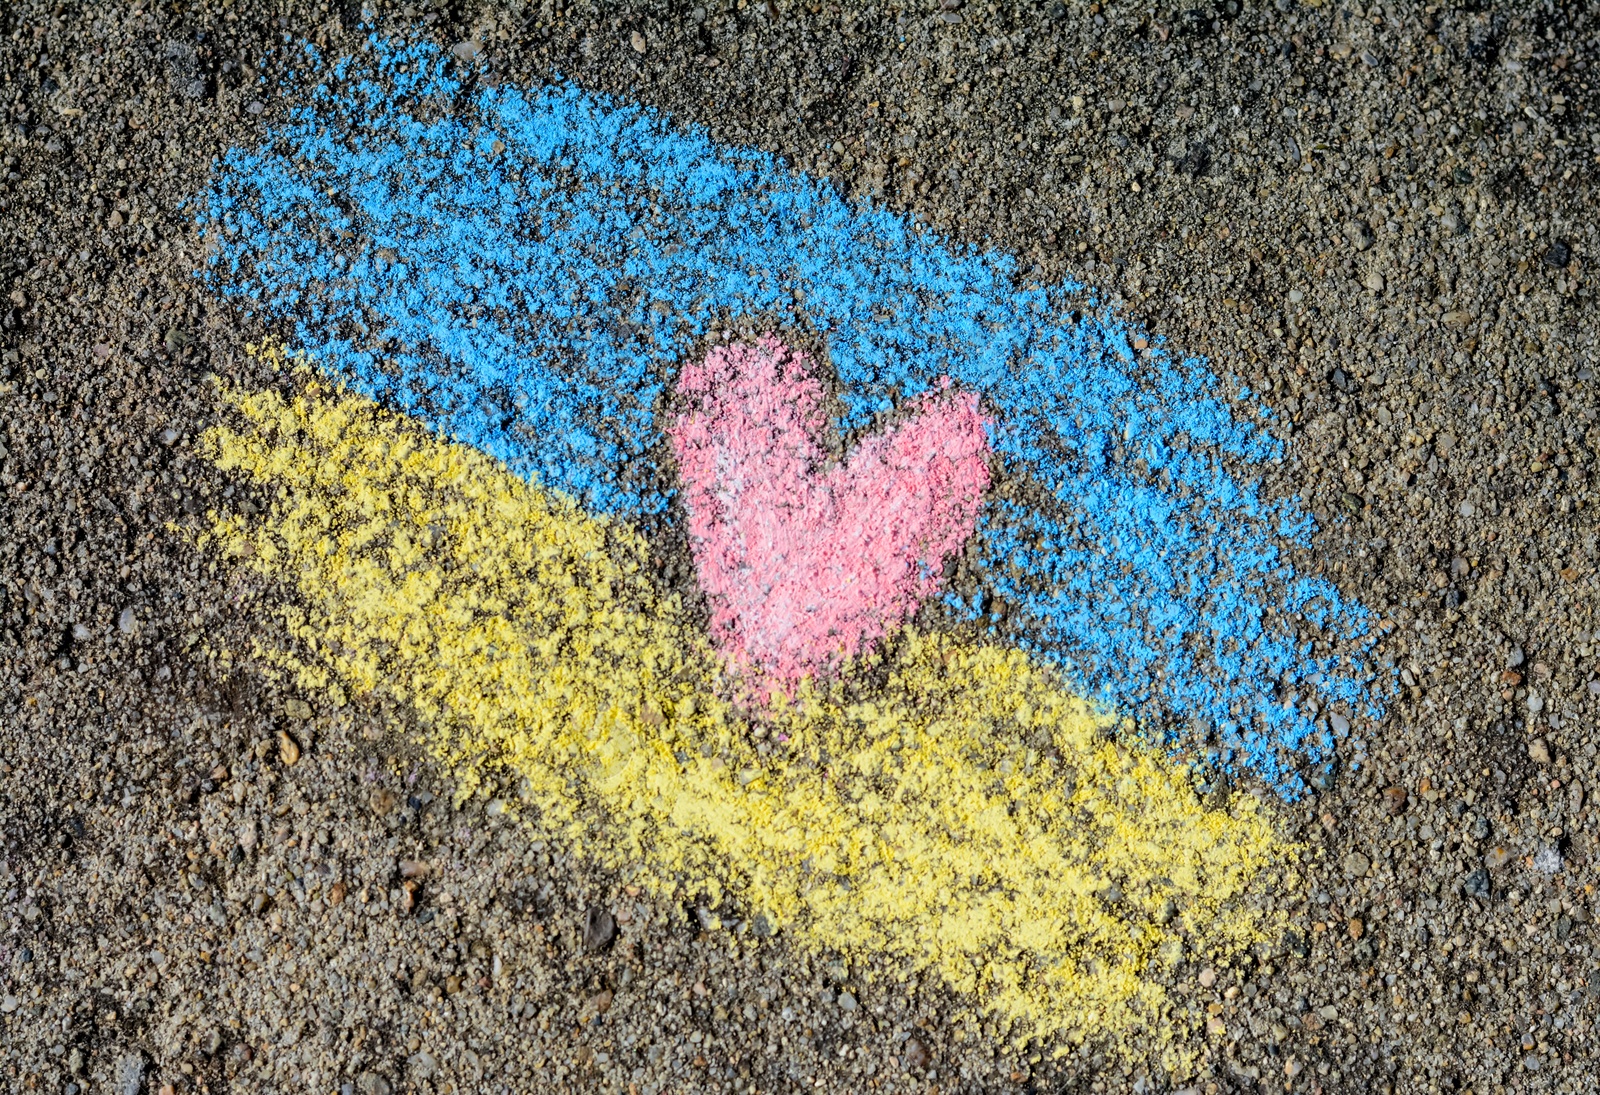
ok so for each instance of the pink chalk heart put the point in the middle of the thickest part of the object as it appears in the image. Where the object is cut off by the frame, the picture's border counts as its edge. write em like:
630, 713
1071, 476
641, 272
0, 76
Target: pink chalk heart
805, 566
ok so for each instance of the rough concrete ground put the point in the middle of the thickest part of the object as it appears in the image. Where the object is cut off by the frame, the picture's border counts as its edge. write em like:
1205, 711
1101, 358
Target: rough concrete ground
1379, 219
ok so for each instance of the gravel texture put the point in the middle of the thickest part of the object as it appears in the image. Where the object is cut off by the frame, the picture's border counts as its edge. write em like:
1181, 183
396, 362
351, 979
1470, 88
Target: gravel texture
1378, 220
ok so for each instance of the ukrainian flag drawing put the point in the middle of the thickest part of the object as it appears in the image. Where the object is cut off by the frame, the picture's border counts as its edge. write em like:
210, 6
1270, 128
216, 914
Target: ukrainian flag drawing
962, 546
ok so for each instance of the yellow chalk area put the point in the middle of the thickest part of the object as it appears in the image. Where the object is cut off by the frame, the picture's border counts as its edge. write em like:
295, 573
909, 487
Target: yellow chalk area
949, 808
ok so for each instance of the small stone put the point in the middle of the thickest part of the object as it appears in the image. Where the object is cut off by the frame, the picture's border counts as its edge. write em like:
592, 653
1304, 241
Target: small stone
413, 868
1357, 865
383, 801
1207, 978
256, 107
130, 1074
1477, 884
1498, 856
1538, 751
847, 1001
1375, 281
1535, 702
298, 710
370, 1083
128, 622
1514, 657
1355, 927
599, 929
247, 835
1359, 235
1559, 254
288, 749
336, 893
1481, 829
916, 1056
466, 49
638, 42
1547, 860
423, 1065
1394, 800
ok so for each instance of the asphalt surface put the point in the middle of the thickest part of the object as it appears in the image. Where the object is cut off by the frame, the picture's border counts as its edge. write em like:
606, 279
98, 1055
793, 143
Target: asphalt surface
1380, 222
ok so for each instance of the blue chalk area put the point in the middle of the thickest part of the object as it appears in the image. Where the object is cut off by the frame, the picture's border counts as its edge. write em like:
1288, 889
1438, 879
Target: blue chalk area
528, 269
